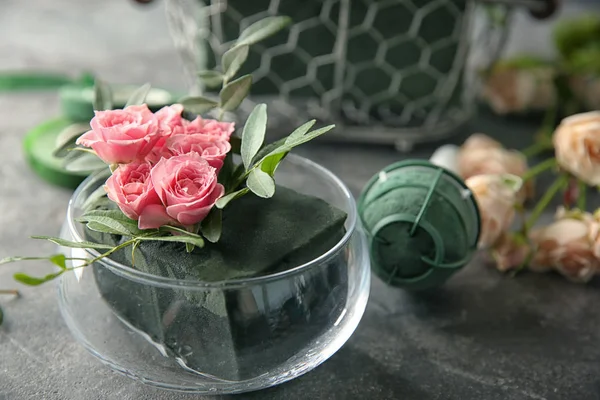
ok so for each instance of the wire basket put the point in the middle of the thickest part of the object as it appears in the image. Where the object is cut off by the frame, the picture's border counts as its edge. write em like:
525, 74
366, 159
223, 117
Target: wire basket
384, 71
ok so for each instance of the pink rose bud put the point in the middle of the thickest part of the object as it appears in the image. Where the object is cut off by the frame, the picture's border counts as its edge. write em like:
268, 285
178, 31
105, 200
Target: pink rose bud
221, 130
577, 146
122, 136
130, 187
211, 149
169, 118
187, 186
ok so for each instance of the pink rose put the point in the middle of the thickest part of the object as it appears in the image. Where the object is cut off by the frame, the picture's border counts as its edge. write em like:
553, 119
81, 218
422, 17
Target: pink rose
170, 119
187, 186
130, 187
221, 130
211, 149
122, 136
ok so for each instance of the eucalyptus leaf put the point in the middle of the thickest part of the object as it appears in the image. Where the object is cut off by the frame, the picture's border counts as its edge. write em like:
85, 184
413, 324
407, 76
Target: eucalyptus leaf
138, 97
234, 93
233, 59
193, 240
67, 137
300, 131
198, 105
103, 98
189, 247
130, 224
287, 146
106, 225
74, 245
270, 163
236, 144
211, 79
262, 29
253, 134
94, 198
223, 201
212, 225
33, 281
268, 149
261, 183
85, 163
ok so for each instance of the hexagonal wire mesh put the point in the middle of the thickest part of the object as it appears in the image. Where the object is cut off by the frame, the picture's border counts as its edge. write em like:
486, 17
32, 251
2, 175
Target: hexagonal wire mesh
385, 71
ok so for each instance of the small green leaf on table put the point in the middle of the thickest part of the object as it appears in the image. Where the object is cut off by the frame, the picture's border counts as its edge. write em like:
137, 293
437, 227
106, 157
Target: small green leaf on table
198, 105
261, 183
138, 97
253, 134
234, 93
211, 226
262, 29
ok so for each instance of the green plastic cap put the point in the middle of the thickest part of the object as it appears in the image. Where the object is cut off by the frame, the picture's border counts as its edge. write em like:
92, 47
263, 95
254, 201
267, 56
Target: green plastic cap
39, 145
422, 223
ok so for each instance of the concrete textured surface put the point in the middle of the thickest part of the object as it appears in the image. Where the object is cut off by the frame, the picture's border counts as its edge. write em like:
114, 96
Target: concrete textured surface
482, 336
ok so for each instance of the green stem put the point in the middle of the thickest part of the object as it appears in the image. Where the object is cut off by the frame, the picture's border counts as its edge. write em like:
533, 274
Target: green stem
537, 148
539, 168
13, 292
558, 184
109, 252
581, 200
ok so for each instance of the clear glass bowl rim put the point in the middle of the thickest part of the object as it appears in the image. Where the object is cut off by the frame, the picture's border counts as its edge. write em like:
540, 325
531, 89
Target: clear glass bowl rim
167, 282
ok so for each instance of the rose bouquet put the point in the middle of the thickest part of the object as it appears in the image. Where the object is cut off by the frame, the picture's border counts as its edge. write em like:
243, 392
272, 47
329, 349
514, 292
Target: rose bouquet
502, 182
190, 198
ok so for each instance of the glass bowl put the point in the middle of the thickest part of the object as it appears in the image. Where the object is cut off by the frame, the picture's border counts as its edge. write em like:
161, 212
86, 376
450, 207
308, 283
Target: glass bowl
220, 337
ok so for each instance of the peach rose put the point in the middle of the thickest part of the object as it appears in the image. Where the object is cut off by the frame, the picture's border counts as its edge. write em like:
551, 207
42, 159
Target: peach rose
481, 155
131, 189
496, 196
566, 246
187, 186
577, 146
510, 252
514, 90
122, 136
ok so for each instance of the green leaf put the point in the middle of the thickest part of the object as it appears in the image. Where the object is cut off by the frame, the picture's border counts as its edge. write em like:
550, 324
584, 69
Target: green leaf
67, 137
268, 149
300, 131
223, 201
189, 247
94, 198
117, 215
235, 92
198, 105
287, 146
75, 245
211, 226
262, 29
211, 79
103, 99
85, 163
253, 134
194, 240
236, 144
138, 97
106, 225
59, 260
233, 59
270, 163
261, 183
33, 281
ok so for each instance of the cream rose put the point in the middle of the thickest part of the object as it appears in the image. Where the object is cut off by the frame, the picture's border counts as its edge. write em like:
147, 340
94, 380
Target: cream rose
577, 146
496, 196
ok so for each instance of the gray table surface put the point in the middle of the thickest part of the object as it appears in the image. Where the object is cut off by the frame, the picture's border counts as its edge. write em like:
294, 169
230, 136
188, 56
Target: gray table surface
482, 336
